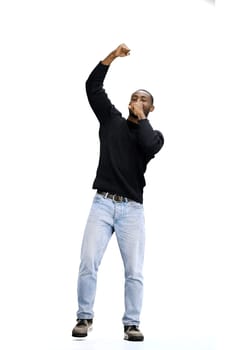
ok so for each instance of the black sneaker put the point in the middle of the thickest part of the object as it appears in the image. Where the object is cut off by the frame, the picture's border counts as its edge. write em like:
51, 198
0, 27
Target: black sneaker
82, 327
133, 333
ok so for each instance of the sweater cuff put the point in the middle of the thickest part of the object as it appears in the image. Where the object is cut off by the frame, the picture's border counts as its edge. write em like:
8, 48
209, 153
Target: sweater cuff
103, 66
143, 121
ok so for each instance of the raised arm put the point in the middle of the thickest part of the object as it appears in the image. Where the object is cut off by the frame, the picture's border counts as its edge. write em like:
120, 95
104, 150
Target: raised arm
97, 97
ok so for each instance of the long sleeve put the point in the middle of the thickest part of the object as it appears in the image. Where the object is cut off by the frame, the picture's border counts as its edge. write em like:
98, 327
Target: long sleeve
149, 140
97, 97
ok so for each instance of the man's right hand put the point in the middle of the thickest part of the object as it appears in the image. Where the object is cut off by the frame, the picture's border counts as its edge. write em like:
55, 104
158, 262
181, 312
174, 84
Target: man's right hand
121, 51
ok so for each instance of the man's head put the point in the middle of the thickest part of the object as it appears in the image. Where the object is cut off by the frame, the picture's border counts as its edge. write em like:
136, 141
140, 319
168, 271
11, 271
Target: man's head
143, 97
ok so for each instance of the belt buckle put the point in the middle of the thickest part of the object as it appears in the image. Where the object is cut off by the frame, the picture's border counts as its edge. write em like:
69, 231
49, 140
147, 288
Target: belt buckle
122, 199
118, 198
115, 197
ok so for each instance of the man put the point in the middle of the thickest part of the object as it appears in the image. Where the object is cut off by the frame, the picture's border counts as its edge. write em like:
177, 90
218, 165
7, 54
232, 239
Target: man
126, 147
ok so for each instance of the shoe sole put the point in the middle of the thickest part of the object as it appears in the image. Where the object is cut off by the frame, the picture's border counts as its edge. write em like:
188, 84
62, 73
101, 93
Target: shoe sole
132, 338
79, 335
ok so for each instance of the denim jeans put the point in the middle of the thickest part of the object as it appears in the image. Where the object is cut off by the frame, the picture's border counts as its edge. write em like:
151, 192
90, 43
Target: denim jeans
126, 219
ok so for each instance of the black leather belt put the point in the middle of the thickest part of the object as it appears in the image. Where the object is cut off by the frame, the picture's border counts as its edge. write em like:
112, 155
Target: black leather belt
114, 197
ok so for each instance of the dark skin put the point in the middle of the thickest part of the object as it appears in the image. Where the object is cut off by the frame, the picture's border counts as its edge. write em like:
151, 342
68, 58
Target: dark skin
140, 104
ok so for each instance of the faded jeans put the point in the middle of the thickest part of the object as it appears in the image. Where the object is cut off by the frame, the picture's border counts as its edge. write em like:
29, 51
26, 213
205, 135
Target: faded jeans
126, 219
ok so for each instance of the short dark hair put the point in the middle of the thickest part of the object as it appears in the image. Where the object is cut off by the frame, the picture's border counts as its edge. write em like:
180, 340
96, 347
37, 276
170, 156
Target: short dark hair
152, 98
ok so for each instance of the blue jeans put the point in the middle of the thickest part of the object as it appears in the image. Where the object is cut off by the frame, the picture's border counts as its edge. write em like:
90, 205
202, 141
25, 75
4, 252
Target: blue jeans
126, 219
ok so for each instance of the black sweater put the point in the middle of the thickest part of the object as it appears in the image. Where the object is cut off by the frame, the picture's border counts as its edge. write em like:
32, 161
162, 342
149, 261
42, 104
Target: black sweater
125, 147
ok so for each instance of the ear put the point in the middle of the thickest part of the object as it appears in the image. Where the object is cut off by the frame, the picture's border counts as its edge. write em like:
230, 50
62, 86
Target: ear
152, 108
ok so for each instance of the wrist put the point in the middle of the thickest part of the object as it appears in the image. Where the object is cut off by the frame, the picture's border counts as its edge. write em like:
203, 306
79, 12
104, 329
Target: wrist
109, 59
141, 116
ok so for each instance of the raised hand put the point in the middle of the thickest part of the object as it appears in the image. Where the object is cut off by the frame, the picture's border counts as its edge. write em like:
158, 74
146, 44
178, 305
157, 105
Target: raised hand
121, 51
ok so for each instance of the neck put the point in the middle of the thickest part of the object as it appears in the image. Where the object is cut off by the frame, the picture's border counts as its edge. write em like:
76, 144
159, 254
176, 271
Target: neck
132, 119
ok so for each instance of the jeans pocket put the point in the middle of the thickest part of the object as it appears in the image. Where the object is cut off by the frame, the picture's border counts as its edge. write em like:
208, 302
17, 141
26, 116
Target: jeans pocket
98, 198
135, 205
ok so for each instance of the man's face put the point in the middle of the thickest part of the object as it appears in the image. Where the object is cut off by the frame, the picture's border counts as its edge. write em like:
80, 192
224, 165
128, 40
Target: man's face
142, 97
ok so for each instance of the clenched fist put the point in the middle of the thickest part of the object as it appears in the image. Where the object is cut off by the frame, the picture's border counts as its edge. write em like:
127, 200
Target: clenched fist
121, 51
137, 109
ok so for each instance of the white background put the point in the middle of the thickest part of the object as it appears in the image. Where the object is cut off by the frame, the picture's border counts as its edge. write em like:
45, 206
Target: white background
181, 51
